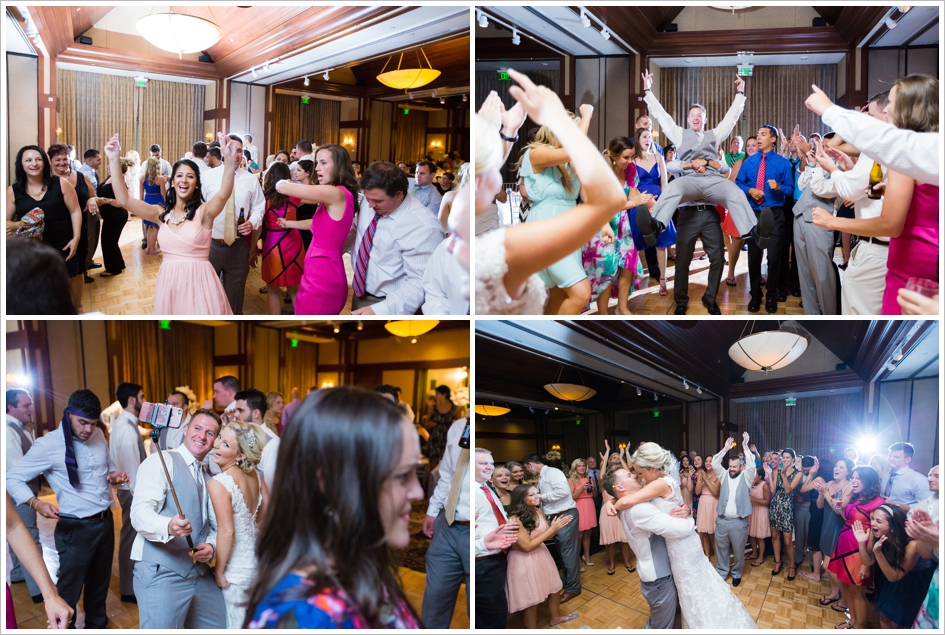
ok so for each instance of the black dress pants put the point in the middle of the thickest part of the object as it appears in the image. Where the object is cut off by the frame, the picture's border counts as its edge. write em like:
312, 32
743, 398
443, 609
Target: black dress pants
790, 280
113, 222
774, 259
492, 607
85, 547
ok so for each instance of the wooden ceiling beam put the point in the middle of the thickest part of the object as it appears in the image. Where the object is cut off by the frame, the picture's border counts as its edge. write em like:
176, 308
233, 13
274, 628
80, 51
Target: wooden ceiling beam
761, 41
93, 56
797, 383
54, 25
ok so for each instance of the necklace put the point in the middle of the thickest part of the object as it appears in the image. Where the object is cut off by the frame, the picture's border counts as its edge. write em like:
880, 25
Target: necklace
176, 220
34, 195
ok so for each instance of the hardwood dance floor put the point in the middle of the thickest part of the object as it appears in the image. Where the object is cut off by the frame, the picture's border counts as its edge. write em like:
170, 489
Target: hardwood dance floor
615, 601
132, 292
122, 615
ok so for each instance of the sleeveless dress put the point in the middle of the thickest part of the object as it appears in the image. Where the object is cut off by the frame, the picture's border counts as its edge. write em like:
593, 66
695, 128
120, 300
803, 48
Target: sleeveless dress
708, 510
587, 512
531, 576
600, 261
928, 612
436, 444
186, 282
832, 524
704, 597
324, 286
816, 524
82, 249
781, 508
57, 221
845, 559
611, 529
152, 196
758, 526
549, 199
491, 296
241, 567
305, 212
695, 497
627, 256
901, 600
915, 253
282, 248
651, 183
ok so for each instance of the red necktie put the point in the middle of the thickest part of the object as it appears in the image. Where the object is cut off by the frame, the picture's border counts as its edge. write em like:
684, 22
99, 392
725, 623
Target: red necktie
760, 182
364, 255
495, 508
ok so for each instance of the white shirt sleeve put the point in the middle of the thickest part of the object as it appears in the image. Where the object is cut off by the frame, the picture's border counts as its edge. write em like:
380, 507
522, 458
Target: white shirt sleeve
123, 450
14, 449
717, 463
667, 125
649, 518
436, 283
558, 484
821, 183
149, 498
725, 127
851, 185
447, 468
258, 204
32, 464
914, 153
267, 462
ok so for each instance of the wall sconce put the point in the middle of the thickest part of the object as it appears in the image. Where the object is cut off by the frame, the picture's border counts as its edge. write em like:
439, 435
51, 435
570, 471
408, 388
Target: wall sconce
208, 136
556, 447
58, 131
436, 144
328, 384
347, 141
622, 445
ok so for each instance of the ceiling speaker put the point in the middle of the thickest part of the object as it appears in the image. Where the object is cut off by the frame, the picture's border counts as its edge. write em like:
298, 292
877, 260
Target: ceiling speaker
819, 21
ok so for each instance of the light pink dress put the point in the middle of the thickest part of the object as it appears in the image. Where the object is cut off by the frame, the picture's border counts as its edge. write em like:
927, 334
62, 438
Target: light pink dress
611, 529
708, 510
587, 513
758, 525
186, 282
531, 577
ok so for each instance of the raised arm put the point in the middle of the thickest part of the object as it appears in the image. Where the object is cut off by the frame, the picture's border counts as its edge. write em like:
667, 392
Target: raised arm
223, 509
215, 205
718, 458
750, 469
890, 222
138, 207
725, 127
667, 125
331, 196
542, 158
567, 232
652, 490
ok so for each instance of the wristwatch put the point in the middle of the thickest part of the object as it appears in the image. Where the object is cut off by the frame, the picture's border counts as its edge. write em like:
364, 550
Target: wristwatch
509, 139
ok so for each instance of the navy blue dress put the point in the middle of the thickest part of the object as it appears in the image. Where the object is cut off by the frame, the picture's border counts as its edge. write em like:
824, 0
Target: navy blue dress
651, 183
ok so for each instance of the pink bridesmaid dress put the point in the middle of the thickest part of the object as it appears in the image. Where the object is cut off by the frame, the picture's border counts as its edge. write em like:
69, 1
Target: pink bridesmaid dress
587, 512
708, 510
758, 524
531, 576
324, 287
611, 529
186, 282
914, 254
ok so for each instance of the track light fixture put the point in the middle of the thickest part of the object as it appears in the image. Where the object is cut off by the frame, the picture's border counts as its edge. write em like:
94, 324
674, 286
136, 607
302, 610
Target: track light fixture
586, 21
698, 390
483, 19
890, 24
360, 325
465, 97
516, 38
325, 76
254, 73
337, 329
685, 384
442, 100
306, 82
266, 67
656, 397
639, 392
605, 34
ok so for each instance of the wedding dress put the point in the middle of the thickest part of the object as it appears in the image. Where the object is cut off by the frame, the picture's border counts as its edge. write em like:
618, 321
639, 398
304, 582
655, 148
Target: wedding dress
240, 569
704, 597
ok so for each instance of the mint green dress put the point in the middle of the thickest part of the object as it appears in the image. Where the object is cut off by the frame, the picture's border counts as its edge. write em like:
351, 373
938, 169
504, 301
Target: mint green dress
549, 199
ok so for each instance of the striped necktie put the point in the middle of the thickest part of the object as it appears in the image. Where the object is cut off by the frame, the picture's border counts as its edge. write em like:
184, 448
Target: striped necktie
760, 181
364, 255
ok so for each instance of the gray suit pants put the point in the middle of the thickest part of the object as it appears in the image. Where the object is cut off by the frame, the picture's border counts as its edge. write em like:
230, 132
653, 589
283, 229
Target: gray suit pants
661, 596
231, 263
95, 226
569, 546
168, 601
801, 525
813, 247
447, 568
18, 572
126, 538
711, 187
731, 536
690, 227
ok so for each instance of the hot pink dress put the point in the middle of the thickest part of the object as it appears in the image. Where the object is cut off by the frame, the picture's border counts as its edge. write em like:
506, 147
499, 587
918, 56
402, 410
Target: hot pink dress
324, 288
283, 250
914, 254
587, 513
611, 529
758, 525
531, 577
186, 282
11, 616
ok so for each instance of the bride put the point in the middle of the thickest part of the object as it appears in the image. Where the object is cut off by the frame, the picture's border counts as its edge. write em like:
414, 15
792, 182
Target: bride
237, 451
705, 599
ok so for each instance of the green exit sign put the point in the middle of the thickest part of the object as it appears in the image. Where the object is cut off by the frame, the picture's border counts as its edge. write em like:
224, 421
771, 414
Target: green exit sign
166, 325
295, 343
503, 76
656, 414
406, 111
305, 100
578, 422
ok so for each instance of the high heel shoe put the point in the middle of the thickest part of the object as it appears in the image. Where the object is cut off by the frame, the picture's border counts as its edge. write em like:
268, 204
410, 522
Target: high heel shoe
587, 561
791, 577
777, 568
663, 290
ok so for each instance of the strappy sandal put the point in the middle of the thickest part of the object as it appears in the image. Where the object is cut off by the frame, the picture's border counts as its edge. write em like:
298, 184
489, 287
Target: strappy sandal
631, 569
829, 600
570, 617
839, 609
663, 290
731, 282
755, 563
845, 624
611, 571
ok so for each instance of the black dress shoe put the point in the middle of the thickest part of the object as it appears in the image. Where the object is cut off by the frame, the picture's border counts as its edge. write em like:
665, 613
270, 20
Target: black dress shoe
712, 307
736, 581
754, 306
802, 304
782, 297
89, 279
771, 305
649, 226
95, 265
680, 309
796, 293
37, 599
131, 599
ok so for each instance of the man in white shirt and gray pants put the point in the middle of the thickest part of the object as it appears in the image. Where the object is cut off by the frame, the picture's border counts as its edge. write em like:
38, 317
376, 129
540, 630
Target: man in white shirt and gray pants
556, 500
127, 451
20, 437
734, 508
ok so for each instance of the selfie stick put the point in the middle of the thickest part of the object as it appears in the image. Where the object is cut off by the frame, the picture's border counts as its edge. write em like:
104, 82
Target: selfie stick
155, 436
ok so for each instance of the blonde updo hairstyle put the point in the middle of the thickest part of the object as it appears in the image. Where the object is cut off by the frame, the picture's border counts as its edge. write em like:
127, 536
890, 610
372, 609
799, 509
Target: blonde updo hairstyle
652, 455
251, 439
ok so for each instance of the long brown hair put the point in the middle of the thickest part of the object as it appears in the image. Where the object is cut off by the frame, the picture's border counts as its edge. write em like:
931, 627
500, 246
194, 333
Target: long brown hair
152, 169
342, 172
324, 507
278, 171
916, 106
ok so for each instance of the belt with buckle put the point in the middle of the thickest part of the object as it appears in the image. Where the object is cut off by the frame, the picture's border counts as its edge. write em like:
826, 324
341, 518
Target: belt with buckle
220, 241
461, 522
699, 208
876, 241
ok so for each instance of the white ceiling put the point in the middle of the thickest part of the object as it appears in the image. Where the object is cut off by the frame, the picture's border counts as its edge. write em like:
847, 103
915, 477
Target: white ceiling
793, 59
558, 26
911, 23
122, 19
922, 361
14, 40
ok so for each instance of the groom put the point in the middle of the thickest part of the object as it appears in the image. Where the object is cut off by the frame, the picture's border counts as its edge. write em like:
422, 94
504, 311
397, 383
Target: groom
173, 584
645, 527
734, 508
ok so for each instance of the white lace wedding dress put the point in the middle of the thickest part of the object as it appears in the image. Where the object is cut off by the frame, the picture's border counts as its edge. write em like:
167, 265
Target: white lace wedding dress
705, 598
240, 569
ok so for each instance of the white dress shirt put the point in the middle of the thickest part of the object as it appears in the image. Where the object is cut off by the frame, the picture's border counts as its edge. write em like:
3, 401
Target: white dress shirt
555, 491
932, 505
267, 462
916, 154
674, 133
721, 472
123, 447
447, 473
89, 171
14, 449
247, 193
253, 152
149, 498
644, 519
166, 168
428, 195
848, 186
445, 284
403, 243
305, 157
486, 522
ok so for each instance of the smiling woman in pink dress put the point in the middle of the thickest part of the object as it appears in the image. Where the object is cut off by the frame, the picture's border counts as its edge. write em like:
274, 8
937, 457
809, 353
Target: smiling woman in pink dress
186, 283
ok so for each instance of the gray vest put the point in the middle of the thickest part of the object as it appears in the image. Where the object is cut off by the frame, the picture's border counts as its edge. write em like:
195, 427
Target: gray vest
659, 555
808, 201
691, 148
25, 443
742, 496
175, 554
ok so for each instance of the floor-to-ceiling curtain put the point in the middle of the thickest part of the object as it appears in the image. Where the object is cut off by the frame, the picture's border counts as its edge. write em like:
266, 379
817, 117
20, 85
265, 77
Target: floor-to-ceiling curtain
775, 95
171, 116
409, 136
300, 367
318, 121
285, 122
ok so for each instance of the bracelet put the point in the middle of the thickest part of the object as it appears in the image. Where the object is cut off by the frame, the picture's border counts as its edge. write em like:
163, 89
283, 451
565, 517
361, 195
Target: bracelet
30, 503
509, 139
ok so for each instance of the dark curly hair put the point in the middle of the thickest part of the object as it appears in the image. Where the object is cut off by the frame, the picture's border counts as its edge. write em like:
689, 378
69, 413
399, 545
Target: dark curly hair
522, 511
86, 401
869, 480
195, 200
894, 549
